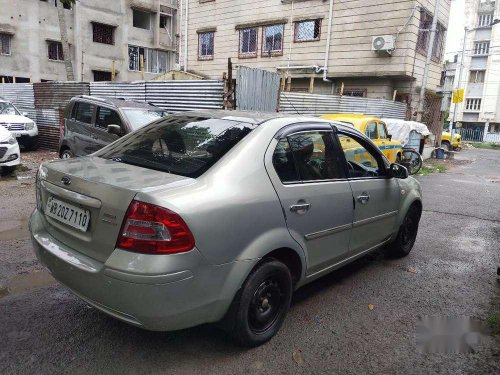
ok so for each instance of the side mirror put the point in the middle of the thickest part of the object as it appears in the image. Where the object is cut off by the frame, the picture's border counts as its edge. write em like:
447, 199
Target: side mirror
389, 136
398, 171
25, 114
114, 129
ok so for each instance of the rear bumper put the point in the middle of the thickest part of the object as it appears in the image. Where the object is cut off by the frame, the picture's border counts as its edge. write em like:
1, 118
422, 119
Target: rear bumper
187, 292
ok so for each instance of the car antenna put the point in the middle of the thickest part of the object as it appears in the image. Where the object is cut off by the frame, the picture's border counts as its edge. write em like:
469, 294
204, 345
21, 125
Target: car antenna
288, 100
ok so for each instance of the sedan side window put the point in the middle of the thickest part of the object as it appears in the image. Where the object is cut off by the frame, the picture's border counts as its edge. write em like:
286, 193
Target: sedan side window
84, 112
371, 130
361, 161
105, 117
283, 162
382, 130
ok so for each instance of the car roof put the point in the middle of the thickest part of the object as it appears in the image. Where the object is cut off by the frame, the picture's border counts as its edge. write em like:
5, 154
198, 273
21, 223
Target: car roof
349, 116
257, 118
117, 102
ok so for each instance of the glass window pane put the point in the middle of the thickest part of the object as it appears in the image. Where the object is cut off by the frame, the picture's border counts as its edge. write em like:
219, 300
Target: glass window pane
84, 112
273, 39
382, 131
283, 162
371, 130
361, 162
105, 117
314, 156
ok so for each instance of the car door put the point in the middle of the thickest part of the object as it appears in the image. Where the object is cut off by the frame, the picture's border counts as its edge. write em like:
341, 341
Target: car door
388, 147
105, 116
376, 197
307, 173
79, 126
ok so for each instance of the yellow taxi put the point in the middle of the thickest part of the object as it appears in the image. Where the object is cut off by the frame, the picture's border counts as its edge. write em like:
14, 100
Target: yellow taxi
375, 129
445, 141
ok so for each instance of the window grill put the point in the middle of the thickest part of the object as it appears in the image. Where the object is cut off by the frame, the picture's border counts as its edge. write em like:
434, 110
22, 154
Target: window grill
103, 33
473, 104
55, 51
206, 45
481, 48
485, 20
5, 44
272, 40
248, 42
306, 31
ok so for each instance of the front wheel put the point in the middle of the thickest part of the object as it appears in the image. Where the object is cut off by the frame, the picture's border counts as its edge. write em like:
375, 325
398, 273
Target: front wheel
407, 234
66, 154
261, 305
446, 145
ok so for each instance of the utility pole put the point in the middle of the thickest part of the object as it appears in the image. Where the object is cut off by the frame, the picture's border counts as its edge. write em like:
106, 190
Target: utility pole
459, 82
430, 47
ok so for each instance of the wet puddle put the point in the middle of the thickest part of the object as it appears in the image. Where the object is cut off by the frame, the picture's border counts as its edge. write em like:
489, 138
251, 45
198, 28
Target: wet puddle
14, 229
28, 282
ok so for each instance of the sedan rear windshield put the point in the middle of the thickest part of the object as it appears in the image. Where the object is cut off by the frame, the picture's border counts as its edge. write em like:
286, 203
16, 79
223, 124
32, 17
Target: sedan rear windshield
181, 145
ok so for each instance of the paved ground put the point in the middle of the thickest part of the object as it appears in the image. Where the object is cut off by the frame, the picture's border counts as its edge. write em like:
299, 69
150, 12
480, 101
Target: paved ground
330, 328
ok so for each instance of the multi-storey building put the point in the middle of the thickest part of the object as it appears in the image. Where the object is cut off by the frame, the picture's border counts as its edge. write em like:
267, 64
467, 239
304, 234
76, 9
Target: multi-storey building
294, 38
104, 36
480, 68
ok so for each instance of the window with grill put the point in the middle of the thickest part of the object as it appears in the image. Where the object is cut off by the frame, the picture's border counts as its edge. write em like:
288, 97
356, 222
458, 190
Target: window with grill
424, 28
272, 40
206, 45
5, 44
473, 104
55, 51
103, 33
155, 61
485, 19
476, 76
248, 42
439, 39
424, 34
481, 48
307, 31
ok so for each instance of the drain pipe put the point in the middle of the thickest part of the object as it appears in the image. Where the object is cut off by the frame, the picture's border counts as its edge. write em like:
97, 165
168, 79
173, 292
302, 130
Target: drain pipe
328, 36
186, 19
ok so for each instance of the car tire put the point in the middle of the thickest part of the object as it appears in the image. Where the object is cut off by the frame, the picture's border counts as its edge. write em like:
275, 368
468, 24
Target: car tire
7, 171
66, 154
407, 233
260, 306
446, 145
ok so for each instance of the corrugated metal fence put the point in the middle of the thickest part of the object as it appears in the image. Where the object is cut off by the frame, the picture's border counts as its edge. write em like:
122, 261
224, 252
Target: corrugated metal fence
314, 104
257, 89
175, 96
50, 100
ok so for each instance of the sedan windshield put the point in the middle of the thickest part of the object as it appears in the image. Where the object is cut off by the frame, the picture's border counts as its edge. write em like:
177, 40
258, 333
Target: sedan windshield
8, 109
140, 117
181, 145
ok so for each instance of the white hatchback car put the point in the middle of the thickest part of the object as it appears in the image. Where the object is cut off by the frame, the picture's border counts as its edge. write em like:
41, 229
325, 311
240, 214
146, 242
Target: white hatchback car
10, 156
21, 127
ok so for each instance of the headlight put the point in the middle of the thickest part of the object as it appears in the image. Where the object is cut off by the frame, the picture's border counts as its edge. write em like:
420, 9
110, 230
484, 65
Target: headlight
12, 140
29, 125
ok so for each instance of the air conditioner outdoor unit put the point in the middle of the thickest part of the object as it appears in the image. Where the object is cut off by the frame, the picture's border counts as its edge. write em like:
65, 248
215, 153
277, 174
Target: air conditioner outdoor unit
383, 44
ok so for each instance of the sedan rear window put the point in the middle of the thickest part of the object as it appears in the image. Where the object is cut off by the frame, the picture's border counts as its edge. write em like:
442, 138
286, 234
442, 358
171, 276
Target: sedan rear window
181, 145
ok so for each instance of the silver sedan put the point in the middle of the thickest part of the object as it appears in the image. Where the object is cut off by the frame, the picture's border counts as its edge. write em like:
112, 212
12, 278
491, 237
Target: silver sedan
218, 217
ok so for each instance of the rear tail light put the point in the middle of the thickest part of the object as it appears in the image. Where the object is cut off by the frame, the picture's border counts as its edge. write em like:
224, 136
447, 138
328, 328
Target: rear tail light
151, 229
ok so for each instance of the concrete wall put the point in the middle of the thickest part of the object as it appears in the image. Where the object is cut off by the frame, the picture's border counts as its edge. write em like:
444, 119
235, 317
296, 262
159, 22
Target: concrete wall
350, 55
34, 22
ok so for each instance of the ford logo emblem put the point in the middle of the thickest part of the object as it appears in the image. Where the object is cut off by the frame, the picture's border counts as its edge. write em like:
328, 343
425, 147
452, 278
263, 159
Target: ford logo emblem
66, 180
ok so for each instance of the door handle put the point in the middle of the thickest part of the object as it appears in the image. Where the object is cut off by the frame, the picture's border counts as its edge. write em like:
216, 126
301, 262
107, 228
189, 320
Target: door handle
300, 208
363, 198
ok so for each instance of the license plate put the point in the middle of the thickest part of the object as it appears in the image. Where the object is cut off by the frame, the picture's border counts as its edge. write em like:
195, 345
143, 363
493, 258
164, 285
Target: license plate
17, 135
68, 214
